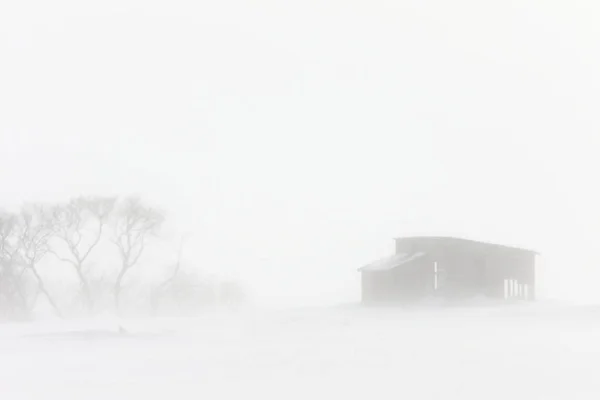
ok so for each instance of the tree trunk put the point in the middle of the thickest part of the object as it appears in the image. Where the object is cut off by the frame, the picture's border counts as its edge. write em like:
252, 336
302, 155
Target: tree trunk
87, 295
117, 288
45, 292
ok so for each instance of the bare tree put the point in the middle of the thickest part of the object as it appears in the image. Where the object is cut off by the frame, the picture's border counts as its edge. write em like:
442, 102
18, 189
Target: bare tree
14, 294
35, 232
79, 225
8, 239
134, 223
158, 291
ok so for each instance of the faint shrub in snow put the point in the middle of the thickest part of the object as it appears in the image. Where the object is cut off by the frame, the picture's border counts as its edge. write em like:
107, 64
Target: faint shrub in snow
231, 293
190, 292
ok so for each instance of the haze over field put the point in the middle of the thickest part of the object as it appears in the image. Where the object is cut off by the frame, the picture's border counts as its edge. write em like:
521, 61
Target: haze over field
295, 140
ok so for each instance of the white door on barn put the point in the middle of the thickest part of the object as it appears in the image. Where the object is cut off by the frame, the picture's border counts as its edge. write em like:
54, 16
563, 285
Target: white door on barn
439, 277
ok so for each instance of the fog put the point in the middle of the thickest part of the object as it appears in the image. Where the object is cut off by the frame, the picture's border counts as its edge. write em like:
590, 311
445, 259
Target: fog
290, 143
295, 141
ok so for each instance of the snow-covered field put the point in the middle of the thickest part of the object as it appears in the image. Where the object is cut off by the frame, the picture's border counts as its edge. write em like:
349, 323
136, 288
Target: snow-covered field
513, 352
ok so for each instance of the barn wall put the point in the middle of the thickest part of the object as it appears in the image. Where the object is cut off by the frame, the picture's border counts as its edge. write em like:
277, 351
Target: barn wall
376, 286
518, 267
400, 285
413, 281
463, 273
496, 274
466, 269
523, 270
461, 270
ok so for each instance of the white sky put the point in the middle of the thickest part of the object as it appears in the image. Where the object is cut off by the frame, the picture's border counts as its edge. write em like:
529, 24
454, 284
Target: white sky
295, 140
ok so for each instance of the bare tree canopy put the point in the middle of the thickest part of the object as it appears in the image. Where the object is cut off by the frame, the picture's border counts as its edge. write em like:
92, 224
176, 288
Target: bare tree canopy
35, 233
79, 225
15, 299
134, 224
101, 239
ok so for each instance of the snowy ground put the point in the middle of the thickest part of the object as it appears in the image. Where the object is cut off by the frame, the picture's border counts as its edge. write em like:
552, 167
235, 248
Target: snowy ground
532, 352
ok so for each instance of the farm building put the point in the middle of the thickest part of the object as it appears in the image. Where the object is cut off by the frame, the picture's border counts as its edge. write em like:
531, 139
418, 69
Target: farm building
450, 268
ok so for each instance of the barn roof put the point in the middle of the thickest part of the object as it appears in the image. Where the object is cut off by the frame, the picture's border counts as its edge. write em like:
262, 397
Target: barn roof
429, 244
457, 241
388, 263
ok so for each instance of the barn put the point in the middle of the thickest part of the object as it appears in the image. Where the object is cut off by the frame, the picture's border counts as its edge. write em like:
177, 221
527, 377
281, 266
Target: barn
450, 268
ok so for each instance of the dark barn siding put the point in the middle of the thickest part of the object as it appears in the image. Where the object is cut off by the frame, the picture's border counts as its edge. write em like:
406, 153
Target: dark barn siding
398, 285
466, 269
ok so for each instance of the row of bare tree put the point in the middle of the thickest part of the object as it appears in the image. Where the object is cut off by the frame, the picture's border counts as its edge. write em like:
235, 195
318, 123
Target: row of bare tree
70, 234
